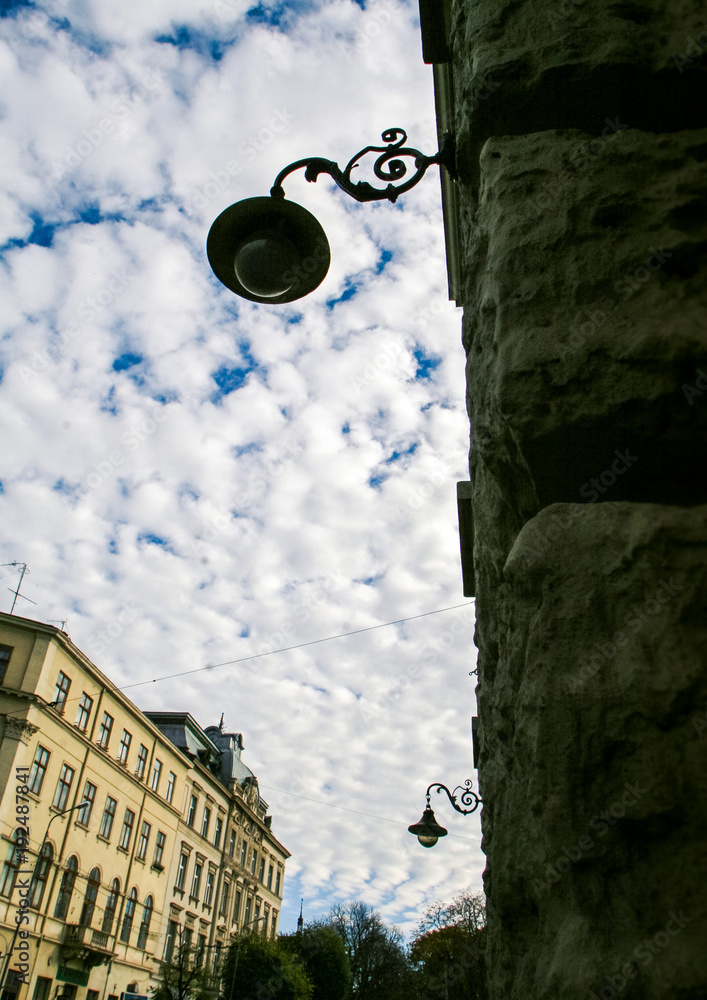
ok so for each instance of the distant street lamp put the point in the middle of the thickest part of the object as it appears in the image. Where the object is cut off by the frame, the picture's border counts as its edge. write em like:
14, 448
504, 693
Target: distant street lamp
274, 251
29, 889
428, 831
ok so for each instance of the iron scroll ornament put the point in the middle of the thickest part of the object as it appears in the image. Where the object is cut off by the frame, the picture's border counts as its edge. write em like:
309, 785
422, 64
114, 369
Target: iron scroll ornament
468, 796
273, 251
387, 167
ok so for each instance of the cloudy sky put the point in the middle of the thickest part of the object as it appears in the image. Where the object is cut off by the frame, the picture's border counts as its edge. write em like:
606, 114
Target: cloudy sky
193, 479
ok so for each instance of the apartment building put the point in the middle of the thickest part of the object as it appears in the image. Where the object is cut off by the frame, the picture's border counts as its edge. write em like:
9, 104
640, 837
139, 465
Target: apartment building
123, 833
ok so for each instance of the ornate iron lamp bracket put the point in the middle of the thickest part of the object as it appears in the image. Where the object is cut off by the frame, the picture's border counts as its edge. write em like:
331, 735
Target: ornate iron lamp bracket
468, 796
387, 167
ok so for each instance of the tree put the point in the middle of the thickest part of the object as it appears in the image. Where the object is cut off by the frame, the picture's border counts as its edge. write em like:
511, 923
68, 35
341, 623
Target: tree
380, 969
184, 977
449, 949
258, 969
322, 952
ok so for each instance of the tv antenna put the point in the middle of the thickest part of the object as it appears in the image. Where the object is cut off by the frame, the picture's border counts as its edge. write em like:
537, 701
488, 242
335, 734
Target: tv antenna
60, 621
16, 592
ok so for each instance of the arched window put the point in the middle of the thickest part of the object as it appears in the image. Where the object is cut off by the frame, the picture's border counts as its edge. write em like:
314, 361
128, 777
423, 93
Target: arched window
39, 882
66, 888
128, 916
145, 923
111, 907
89, 900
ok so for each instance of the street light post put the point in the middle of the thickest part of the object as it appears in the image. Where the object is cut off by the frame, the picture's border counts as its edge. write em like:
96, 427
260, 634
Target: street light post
238, 951
28, 895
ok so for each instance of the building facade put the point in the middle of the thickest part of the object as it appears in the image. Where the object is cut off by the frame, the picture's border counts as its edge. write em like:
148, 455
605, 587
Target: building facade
123, 834
576, 228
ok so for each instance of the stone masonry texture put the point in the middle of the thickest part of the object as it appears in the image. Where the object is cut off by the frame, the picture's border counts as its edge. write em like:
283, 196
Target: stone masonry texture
581, 134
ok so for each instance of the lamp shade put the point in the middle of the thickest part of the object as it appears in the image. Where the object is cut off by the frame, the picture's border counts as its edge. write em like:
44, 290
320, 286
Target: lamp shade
268, 250
428, 831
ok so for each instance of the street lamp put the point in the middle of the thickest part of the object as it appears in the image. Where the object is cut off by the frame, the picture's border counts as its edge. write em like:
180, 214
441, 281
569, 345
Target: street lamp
427, 830
33, 879
255, 920
273, 251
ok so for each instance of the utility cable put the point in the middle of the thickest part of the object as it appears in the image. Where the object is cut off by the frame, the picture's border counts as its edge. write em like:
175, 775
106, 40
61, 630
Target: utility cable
299, 645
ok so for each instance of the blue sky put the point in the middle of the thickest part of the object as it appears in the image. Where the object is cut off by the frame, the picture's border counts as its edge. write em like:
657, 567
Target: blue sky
245, 478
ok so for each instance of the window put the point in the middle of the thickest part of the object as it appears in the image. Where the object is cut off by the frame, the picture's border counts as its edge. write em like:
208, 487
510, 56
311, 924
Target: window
223, 908
171, 937
192, 811
196, 880
145, 923
111, 907
256, 918
253, 861
187, 939
89, 899
273, 923
205, 822
232, 843
38, 770
68, 880
128, 916
125, 742
217, 832
12, 863
40, 877
200, 950
89, 796
127, 831
5, 654
63, 787
41, 988
171, 782
182, 870
277, 883
84, 712
92, 994
216, 968
141, 762
244, 852
156, 772
108, 817
61, 691
209, 889
159, 848
270, 872
237, 906
144, 838
105, 731
248, 905
261, 873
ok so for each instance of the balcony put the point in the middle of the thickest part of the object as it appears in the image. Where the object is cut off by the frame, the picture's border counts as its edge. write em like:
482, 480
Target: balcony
92, 947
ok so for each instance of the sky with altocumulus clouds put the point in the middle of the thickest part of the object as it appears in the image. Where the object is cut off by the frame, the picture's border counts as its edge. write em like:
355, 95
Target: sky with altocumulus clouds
194, 479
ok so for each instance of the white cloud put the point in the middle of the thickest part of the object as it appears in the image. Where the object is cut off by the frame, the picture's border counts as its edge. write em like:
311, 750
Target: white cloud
176, 524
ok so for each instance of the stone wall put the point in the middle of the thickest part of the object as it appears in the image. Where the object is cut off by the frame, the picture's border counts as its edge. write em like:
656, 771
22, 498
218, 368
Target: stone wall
582, 155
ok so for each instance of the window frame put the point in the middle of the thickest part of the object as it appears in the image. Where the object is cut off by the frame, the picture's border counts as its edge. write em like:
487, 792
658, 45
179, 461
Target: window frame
5, 659
38, 769
141, 765
108, 817
196, 880
206, 822
156, 775
105, 731
84, 712
143, 840
171, 785
159, 848
126, 832
61, 692
89, 795
63, 787
124, 747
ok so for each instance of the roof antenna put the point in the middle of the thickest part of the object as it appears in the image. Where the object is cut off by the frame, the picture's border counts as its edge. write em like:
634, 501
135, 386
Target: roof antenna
60, 621
300, 919
17, 592
220, 725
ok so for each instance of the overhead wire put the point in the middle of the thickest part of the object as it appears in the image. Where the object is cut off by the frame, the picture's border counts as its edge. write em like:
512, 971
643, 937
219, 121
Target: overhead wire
298, 645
